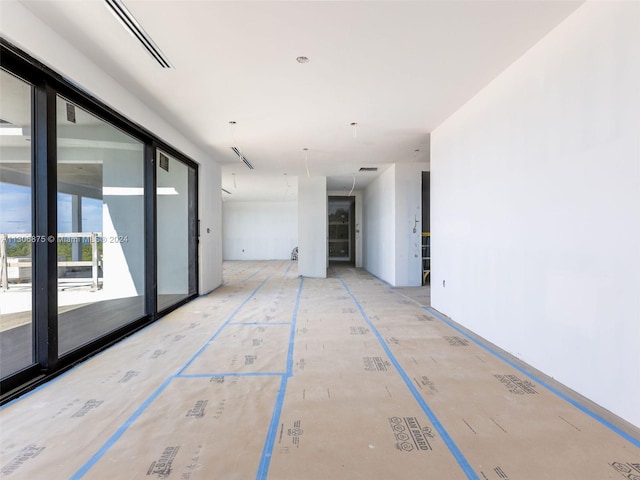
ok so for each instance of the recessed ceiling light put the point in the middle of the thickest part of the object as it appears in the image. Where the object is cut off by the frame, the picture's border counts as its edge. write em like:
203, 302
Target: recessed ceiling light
353, 124
302, 59
232, 122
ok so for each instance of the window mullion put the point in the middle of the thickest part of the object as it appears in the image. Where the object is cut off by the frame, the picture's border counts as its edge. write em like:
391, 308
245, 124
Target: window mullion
44, 247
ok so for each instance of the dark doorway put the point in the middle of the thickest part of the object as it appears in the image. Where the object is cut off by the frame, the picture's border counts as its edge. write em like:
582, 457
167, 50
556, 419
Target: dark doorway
341, 237
426, 228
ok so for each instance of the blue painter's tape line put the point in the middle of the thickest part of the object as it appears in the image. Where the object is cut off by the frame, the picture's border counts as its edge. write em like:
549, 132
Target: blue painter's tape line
453, 448
267, 451
100, 453
35, 390
288, 268
227, 321
539, 381
232, 374
49, 383
293, 329
114, 438
254, 273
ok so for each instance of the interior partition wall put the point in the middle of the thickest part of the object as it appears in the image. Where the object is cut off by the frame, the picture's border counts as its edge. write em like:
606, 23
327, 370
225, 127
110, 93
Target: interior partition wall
98, 224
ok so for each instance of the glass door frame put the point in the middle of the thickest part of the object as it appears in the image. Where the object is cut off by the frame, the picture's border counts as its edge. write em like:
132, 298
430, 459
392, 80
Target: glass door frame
152, 226
47, 84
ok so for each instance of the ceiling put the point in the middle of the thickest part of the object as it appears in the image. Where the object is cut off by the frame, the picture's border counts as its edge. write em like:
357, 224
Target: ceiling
397, 69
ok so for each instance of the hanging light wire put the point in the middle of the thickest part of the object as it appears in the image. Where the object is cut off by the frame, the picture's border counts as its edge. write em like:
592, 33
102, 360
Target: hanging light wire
233, 132
352, 186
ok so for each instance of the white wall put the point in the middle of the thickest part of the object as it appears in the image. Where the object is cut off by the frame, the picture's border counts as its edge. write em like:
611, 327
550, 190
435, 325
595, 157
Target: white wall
535, 207
259, 230
122, 216
29, 33
378, 226
210, 214
312, 226
408, 211
392, 203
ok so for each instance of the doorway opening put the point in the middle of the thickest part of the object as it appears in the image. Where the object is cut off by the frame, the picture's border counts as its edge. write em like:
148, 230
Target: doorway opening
426, 228
341, 236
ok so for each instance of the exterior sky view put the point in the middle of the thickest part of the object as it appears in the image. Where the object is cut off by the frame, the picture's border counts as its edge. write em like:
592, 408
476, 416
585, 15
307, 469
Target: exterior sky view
15, 211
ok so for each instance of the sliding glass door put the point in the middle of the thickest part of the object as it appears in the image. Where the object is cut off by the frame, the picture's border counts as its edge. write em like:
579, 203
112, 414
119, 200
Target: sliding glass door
98, 224
101, 268
16, 225
176, 230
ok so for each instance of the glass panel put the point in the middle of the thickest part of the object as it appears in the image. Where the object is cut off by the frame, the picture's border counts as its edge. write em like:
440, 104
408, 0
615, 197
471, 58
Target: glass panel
16, 332
100, 227
176, 236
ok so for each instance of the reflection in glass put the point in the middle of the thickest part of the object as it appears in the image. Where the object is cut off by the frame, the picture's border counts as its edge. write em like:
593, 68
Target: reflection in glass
100, 227
176, 236
16, 237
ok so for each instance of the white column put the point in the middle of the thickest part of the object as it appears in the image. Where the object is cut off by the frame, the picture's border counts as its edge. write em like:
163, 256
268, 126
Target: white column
312, 226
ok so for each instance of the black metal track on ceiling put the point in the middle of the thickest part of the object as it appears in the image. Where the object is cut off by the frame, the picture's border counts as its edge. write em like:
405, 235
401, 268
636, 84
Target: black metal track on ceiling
242, 157
131, 24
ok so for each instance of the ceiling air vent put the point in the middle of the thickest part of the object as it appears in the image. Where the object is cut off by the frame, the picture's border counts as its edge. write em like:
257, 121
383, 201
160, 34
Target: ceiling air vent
368, 169
134, 28
242, 157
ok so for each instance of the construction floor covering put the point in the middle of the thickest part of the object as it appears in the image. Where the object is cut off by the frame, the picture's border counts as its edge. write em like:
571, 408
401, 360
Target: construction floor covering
275, 376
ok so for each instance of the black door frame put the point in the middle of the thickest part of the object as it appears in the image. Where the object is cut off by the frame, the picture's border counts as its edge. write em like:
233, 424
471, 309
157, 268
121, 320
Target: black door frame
46, 85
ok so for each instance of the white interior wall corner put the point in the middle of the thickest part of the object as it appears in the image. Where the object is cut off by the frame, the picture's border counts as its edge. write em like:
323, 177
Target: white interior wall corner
259, 230
408, 215
210, 215
379, 226
535, 207
312, 226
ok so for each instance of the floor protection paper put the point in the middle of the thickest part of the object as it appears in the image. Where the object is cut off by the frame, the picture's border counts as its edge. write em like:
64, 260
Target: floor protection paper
274, 376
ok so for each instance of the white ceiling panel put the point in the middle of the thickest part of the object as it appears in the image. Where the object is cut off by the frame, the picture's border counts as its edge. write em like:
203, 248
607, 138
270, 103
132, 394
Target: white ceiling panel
397, 68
